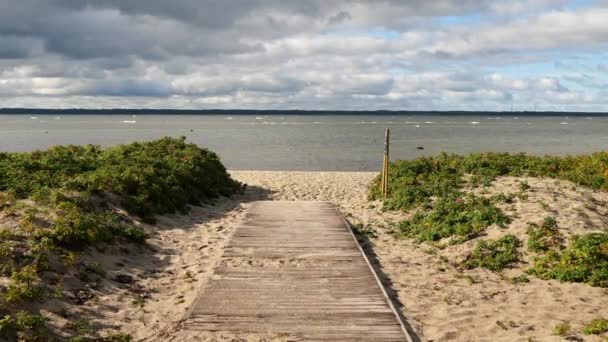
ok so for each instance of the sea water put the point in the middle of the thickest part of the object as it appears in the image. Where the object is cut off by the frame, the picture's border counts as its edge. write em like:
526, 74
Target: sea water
316, 142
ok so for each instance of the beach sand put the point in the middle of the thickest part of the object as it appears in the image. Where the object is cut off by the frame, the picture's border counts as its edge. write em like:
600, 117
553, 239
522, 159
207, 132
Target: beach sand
439, 301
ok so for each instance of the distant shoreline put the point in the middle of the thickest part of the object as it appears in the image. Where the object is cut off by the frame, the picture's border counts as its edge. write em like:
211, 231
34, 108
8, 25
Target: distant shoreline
77, 111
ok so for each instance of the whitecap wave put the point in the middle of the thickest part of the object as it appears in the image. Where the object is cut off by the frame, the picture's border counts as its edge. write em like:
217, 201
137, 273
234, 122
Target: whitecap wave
563, 123
33, 118
129, 121
474, 122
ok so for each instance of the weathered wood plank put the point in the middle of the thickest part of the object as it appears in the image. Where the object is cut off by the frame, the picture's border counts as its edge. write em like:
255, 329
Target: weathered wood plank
295, 269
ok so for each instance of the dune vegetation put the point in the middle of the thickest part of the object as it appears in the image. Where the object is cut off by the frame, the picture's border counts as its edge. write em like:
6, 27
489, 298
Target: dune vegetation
447, 204
58, 203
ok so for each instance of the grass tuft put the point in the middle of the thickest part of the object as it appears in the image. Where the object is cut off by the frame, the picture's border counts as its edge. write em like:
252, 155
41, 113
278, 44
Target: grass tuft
562, 329
596, 326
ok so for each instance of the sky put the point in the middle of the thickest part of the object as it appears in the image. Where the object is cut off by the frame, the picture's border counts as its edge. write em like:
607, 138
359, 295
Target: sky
305, 54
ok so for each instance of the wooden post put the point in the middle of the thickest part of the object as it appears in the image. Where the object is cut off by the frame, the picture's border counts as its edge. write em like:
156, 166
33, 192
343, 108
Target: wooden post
385, 163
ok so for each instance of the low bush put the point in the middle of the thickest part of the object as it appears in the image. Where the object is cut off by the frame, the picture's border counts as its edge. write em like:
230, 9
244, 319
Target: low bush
596, 326
562, 329
545, 237
461, 216
143, 174
414, 182
24, 286
494, 255
585, 259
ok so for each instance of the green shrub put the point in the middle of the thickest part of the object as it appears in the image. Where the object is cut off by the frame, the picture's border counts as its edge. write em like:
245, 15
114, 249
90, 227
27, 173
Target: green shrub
31, 321
76, 227
7, 325
562, 329
502, 197
414, 182
494, 255
524, 186
155, 177
520, 279
24, 286
143, 174
449, 216
545, 237
81, 325
596, 326
45, 169
367, 231
584, 260
95, 268
118, 337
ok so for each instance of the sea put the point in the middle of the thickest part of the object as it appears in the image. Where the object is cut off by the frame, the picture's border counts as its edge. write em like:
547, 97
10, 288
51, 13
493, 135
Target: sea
316, 142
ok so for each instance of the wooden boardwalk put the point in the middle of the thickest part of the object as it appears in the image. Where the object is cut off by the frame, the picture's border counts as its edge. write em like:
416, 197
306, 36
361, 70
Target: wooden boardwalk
294, 269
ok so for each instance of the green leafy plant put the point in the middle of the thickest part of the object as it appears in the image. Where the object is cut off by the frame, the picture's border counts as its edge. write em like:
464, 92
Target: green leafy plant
367, 231
7, 325
585, 259
95, 268
24, 286
545, 237
33, 324
520, 279
562, 329
81, 325
449, 216
494, 255
414, 182
118, 337
596, 326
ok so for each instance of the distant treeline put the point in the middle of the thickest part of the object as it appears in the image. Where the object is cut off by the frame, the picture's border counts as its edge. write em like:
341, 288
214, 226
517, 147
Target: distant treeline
72, 111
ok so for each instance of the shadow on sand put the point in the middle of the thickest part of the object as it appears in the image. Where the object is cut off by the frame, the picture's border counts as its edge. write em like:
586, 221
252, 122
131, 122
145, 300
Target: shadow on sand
366, 244
126, 266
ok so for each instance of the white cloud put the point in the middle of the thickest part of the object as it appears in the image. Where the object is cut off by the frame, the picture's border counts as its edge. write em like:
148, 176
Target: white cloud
311, 54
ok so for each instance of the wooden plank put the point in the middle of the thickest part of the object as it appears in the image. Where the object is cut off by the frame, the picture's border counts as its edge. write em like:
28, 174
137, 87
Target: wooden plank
295, 269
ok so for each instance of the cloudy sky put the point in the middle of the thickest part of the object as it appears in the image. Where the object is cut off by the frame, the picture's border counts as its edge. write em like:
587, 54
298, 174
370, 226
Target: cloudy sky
307, 54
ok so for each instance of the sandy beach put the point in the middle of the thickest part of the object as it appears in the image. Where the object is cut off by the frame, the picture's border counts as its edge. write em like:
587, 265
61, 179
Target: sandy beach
439, 301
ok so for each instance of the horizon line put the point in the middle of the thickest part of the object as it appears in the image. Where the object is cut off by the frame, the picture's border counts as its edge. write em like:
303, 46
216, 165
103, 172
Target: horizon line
26, 110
